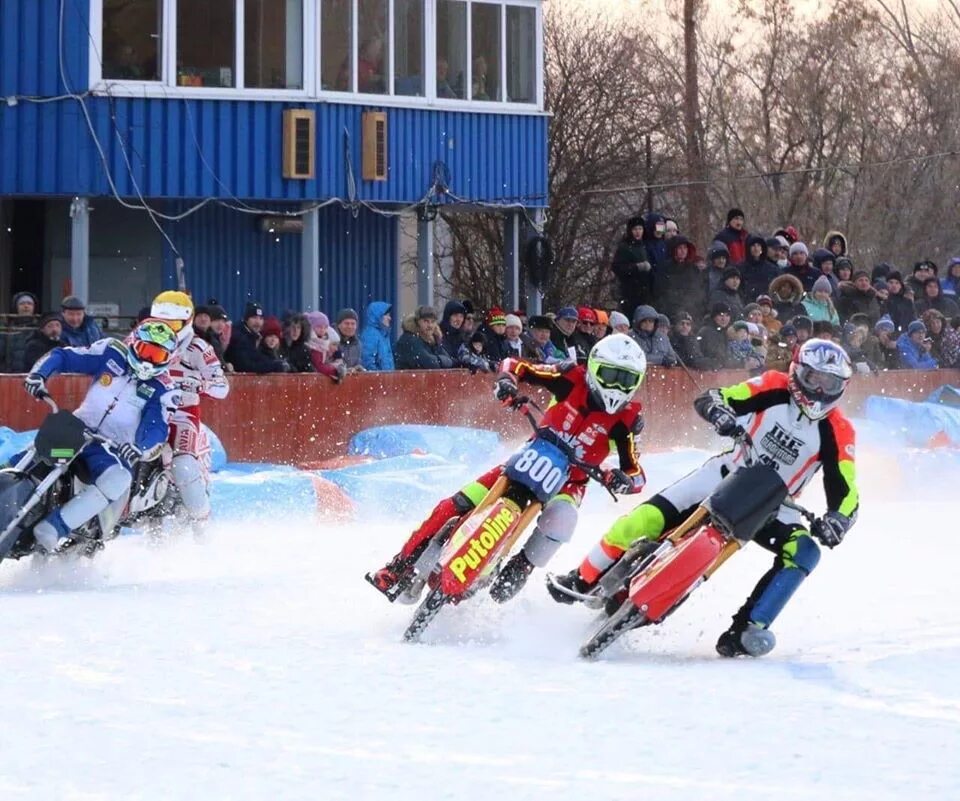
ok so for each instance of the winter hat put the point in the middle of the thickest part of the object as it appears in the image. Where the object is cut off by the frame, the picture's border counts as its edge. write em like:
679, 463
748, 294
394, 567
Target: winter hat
425, 313
201, 309
734, 213
895, 275
586, 315
774, 242
954, 262
568, 313
718, 249
644, 313
662, 319
880, 285
754, 329
719, 308
347, 314
72, 303
750, 307
684, 317
798, 247
48, 317
317, 320
618, 318
602, 317
540, 322
926, 264
788, 331
822, 284
731, 272
884, 324
270, 326
253, 309
858, 273
216, 311
801, 321
634, 222
782, 242
881, 270
512, 319
24, 296
740, 325
915, 327
477, 336
764, 300
496, 316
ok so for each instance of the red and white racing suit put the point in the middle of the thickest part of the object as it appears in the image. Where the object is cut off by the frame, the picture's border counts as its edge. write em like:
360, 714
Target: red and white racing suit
196, 372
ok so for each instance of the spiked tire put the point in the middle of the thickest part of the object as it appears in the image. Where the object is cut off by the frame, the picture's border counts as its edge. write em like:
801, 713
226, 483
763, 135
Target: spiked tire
627, 617
425, 613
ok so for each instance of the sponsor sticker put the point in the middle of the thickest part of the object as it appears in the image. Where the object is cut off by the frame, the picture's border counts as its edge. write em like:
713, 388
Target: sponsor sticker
106, 380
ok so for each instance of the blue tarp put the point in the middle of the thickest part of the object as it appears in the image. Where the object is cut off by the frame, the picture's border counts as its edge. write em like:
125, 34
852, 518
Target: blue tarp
914, 423
449, 442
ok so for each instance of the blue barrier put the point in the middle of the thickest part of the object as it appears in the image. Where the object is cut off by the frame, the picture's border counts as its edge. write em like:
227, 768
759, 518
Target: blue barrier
450, 442
915, 423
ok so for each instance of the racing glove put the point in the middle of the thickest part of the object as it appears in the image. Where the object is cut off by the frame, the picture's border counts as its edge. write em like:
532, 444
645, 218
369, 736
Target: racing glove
723, 420
35, 385
129, 453
617, 481
505, 390
831, 528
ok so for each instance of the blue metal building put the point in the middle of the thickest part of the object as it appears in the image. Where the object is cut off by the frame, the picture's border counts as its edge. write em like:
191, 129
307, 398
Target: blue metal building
269, 144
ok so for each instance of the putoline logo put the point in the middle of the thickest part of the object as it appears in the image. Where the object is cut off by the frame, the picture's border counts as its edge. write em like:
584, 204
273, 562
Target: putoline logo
473, 553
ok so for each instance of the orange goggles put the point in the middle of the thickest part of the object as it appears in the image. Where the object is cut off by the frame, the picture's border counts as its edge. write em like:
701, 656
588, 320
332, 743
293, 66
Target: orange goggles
151, 353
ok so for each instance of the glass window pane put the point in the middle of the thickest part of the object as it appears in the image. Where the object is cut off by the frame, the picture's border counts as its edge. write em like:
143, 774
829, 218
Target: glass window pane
485, 78
408, 47
273, 44
451, 48
336, 46
521, 54
131, 40
206, 40
373, 58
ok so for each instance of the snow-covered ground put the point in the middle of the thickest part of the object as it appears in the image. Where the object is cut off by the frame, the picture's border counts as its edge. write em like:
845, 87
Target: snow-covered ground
258, 664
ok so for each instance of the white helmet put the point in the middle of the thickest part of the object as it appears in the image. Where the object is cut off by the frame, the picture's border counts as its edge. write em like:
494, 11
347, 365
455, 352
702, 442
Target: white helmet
176, 310
615, 369
819, 374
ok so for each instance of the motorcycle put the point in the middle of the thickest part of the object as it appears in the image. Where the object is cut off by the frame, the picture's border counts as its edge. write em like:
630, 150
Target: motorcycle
465, 557
652, 579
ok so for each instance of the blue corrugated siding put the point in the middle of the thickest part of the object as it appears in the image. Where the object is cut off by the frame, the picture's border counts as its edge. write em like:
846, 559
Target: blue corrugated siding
47, 149
229, 258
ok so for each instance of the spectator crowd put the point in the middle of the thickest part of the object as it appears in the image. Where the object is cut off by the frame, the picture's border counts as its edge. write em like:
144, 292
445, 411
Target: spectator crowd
747, 304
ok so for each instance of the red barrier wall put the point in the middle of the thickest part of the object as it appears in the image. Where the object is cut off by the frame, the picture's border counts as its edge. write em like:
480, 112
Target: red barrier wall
304, 418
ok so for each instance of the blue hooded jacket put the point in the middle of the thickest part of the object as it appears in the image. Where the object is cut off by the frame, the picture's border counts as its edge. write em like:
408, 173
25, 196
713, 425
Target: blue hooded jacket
376, 350
84, 335
912, 356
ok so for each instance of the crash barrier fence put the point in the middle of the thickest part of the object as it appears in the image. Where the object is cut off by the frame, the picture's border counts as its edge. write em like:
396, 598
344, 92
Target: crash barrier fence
302, 419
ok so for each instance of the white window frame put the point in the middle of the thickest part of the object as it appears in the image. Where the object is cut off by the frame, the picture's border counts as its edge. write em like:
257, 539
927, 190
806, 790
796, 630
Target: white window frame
167, 86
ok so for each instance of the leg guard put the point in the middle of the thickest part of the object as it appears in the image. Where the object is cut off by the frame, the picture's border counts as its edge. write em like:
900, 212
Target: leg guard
190, 480
647, 521
798, 557
556, 525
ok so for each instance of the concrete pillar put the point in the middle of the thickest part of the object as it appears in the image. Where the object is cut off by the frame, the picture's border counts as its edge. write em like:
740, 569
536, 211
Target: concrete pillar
534, 295
511, 260
424, 262
80, 248
310, 263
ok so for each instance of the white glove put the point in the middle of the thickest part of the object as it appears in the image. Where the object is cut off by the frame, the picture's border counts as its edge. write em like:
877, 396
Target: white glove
129, 453
35, 385
187, 398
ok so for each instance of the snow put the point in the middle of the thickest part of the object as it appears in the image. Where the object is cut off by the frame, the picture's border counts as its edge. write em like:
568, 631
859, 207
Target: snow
257, 664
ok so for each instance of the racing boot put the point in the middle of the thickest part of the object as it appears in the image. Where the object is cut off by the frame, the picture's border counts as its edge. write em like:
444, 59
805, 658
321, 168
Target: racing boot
750, 639
564, 589
512, 577
393, 578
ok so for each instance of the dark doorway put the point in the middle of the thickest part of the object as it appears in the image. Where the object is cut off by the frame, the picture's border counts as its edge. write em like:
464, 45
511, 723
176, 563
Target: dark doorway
27, 222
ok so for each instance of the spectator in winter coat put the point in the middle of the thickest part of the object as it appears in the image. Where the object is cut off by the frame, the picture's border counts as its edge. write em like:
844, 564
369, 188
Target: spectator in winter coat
512, 338
25, 309
80, 330
740, 352
922, 270
758, 270
803, 325
936, 325
655, 345
859, 298
729, 293
293, 344
244, 351
932, 297
898, 306
781, 349
718, 259
800, 266
350, 349
218, 334
472, 354
768, 315
377, 353
619, 323
670, 227
495, 329
713, 336
567, 339
269, 348
950, 283
632, 267
914, 348
843, 270
851, 339
419, 346
586, 323
654, 238
818, 304
678, 284
686, 345
823, 260
836, 243
451, 326
950, 344
323, 344
602, 327
880, 347
537, 346
786, 292
734, 236
45, 338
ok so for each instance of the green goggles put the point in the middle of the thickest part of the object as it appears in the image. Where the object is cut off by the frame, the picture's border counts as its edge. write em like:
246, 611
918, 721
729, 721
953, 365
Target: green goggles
610, 377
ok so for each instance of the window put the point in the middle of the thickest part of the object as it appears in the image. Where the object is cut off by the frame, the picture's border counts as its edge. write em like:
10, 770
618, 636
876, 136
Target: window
336, 45
521, 54
131, 39
485, 83
273, 44
451, 48
373, 54
206, 42
409, 62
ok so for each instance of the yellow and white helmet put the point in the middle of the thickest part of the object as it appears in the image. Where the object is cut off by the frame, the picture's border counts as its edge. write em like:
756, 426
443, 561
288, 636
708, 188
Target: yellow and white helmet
176, 310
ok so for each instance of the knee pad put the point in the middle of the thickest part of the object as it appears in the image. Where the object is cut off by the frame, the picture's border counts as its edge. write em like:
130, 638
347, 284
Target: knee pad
113, 482
189, 478
644, 522
801, 551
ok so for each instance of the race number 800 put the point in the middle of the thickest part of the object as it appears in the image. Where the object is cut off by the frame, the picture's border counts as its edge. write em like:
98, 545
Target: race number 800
541, 469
